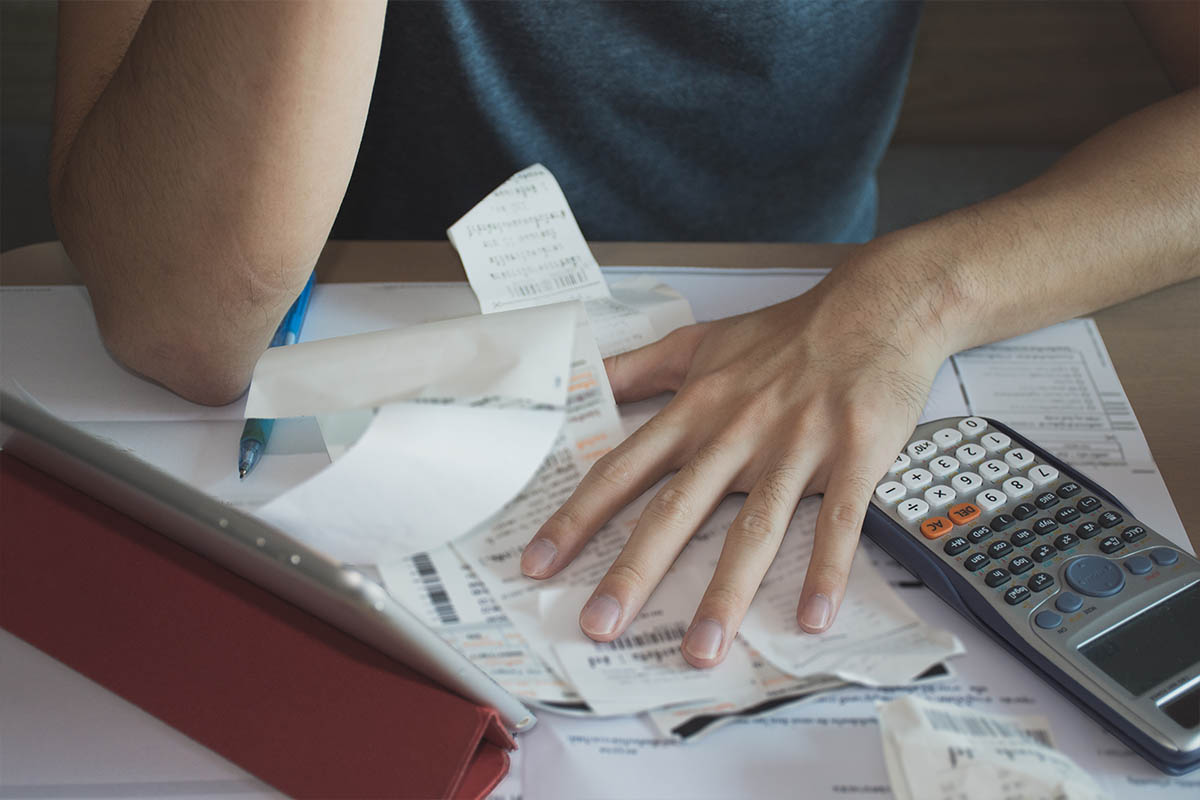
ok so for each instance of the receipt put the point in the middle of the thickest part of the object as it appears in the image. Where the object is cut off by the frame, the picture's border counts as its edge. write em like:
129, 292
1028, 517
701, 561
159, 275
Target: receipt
521, 246
875, 640
940, 752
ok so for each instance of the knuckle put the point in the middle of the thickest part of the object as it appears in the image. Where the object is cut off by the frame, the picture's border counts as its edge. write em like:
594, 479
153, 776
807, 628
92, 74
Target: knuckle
627, 573
671, 505
845, 517
614, 468
753, 528
725, 599
561, 526
827, 576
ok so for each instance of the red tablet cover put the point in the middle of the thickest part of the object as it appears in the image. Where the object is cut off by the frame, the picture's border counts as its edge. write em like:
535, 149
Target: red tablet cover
290, 699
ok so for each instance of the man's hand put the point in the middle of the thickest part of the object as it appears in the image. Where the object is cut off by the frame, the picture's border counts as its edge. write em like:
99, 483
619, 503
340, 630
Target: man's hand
813, 395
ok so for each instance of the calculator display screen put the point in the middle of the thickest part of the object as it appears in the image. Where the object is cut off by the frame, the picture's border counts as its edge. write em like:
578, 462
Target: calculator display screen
1153, 646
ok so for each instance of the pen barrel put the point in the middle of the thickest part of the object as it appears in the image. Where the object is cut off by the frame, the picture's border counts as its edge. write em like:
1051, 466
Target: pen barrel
257, 430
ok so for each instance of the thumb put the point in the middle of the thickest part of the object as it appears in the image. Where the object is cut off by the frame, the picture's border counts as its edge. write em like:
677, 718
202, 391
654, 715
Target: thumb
656, 368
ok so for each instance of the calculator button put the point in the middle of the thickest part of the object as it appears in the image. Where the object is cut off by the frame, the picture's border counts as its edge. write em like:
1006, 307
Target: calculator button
955, 546
1068, 489
999, 549
1018, 458
934, 527
980, 534
1109, 519
964, 513
970, 454
965, 482
1016, 595
1066, 541
939, 496
1133, 533
1040, 581
1024, 511
1164, 556
1023, 537
1047, 619
1111, 545
1043, 552
1020, 564
1068, 602
1046, 500
1068, 514
912, 509
917, 478
1095, 576
890, 492
972, 426
995, 441
1002, 522
1087, 530
993, 469
975, 562
921, 450
1043, 474
943, 466
1139, 565
990, 499
1017, 487
901, 463
997, 577
1088, 504
1044, 526
946, 438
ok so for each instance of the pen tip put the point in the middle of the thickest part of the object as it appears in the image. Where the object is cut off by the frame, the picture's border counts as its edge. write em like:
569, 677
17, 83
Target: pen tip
241, 473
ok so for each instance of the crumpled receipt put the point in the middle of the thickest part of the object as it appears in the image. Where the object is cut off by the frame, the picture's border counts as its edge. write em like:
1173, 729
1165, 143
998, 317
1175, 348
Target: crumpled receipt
459, 415
937, 751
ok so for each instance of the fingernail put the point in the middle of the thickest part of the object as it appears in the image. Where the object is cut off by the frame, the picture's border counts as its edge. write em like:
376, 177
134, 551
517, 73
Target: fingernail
538, 557
816, 613
600, 615
703, 641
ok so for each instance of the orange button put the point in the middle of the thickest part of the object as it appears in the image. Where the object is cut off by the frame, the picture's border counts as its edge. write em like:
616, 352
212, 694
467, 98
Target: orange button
964, 513
935, 527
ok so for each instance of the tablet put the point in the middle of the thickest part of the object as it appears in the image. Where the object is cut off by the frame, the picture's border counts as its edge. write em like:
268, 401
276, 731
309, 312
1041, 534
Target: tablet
337, 593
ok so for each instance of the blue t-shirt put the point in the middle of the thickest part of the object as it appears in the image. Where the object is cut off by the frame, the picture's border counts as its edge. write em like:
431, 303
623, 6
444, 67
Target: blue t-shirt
734, 121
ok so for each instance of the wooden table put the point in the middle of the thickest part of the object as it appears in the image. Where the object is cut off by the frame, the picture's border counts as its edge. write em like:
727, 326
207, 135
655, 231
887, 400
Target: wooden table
1154, 340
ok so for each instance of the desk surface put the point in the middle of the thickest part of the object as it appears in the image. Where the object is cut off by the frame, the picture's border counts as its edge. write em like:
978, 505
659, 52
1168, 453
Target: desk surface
1154, 340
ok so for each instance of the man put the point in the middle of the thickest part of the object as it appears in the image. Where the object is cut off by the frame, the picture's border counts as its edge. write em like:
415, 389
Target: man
201, 153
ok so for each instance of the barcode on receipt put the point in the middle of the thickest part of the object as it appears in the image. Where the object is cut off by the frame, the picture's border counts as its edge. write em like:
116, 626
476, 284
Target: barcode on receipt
553, 283
432, 581
673, 633
983, 727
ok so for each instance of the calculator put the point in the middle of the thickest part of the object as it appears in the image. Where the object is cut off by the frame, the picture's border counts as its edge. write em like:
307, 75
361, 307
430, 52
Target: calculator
1056, 570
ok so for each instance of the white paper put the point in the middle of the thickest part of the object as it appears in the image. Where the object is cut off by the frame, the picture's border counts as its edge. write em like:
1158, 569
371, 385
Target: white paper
936, 752
521, 246
514, 358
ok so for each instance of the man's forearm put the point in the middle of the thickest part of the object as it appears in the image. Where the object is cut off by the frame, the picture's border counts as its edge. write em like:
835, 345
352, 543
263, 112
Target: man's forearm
198, 191
1118, 216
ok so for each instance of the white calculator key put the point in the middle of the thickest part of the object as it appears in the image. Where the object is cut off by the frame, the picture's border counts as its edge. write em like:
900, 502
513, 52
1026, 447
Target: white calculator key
1043, 474
890, 492
922, 450
900, 464
914, 508
965, 482
970, 454
1019, 458
946, 438
917, 478
995, 441
993, 469
990, 499
943, 466
938, 496
972, 426
1017, 487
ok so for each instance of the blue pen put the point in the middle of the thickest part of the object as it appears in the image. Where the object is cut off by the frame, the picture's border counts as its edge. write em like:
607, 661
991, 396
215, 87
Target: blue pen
256, 432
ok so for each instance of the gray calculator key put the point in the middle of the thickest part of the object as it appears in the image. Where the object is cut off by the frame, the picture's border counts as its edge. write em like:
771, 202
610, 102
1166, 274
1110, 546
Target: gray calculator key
1066, 541
955, 546
1046, 499
1048, 619
1133, 533
1088, 504
979, 534
1040, 581
1139, 565
1020, 564
1023, 538
1043, 552
976, 562
1111, 544
1164, 556
999, 549
1087, 530
997, 576
1068, 602
1095, 576
1016, 595
1024, 511
1109, 519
